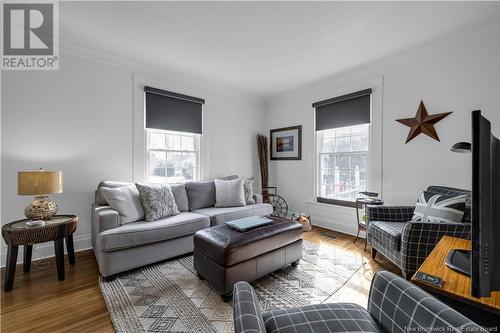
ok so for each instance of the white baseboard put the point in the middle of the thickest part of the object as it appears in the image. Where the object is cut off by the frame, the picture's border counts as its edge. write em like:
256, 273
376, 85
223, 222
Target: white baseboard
46, 250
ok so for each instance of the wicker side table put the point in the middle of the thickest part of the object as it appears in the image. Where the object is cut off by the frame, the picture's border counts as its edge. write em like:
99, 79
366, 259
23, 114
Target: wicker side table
17, 233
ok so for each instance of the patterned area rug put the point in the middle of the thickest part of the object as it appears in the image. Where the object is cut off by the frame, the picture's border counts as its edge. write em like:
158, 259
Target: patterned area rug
169, 297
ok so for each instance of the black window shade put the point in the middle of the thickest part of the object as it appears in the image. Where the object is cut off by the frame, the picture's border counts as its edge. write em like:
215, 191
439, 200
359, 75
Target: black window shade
174, 112
347, 110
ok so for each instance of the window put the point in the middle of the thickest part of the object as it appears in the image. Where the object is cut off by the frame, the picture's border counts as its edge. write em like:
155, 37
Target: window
342, 133
342, 162
174, 125
172, 156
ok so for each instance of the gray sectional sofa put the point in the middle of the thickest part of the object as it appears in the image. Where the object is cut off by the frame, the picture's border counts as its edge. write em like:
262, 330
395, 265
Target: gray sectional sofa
119, 248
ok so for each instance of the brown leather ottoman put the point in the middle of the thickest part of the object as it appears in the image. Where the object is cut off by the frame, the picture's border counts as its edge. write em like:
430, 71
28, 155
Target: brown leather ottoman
224, 256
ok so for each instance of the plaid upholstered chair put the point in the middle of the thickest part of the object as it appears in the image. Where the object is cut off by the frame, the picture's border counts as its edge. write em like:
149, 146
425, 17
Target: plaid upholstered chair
394, 305
407, 243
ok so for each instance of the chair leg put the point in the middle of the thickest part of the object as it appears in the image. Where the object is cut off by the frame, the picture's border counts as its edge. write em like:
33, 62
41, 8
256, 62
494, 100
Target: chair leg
355, 239
374, 252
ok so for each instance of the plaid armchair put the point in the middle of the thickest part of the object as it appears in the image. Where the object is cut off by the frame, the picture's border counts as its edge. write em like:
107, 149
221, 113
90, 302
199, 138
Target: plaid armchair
394, 305
391, 232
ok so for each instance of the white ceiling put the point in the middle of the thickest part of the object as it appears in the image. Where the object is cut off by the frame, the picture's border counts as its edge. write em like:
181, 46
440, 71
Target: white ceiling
264, 47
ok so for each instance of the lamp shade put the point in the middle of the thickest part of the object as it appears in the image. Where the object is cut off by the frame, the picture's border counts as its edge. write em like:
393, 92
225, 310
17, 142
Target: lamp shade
39, 182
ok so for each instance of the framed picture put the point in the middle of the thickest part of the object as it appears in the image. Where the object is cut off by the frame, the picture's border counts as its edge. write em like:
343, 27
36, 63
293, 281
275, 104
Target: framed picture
286, 143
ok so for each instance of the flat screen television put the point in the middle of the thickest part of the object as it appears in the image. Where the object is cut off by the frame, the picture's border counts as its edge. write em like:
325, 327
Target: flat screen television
483, 262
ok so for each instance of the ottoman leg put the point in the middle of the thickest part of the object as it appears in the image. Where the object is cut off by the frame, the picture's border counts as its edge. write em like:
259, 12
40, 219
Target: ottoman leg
227, 298
295, 263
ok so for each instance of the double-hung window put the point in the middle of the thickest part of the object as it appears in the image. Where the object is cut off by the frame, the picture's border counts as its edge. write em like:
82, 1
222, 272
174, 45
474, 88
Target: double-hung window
173, 130
172, 156
342, 147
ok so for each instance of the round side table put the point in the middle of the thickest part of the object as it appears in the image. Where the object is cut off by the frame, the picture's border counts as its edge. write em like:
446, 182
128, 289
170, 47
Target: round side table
57, 229
361, 224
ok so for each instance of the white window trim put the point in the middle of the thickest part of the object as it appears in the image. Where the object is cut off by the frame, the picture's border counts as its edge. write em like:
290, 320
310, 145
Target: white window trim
139, 172
374, 175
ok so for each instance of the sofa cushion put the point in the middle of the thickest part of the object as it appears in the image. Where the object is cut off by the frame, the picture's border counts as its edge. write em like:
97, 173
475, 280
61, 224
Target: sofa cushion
330, 317
229, 193
141, 232
436, 208
126, 201
158, 201
201, 194
220, 215
387, 233
181, 198
248, 188
99, 198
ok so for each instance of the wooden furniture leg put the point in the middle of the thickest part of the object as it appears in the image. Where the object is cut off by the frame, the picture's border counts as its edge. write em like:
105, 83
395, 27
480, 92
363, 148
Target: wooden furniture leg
10, 267
28, 250
71, 249
59, 250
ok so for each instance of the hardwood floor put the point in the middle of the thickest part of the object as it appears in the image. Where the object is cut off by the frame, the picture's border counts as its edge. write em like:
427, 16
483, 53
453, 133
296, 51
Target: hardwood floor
41, 303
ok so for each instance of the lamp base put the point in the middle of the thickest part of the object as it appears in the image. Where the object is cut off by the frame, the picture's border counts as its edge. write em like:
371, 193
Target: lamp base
41, 208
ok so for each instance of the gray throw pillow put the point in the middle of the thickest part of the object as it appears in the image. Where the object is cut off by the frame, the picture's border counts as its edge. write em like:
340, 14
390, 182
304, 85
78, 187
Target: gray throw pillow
180, 196
158, 201
126, 201
229, 193
201, 194
436, 208
248, 187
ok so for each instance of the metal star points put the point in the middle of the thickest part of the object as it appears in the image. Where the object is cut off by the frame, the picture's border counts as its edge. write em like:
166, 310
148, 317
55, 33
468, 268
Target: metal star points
422, 123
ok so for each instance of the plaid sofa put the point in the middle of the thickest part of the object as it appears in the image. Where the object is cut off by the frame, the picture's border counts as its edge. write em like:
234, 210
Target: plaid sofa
391, 232
394, 305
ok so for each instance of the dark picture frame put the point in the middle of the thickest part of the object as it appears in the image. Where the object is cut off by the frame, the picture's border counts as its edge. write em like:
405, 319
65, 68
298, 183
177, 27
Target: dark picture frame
286, 143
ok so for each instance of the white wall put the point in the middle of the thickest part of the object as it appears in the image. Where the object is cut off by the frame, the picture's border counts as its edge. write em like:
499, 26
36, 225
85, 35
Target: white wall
459, 74
79, 119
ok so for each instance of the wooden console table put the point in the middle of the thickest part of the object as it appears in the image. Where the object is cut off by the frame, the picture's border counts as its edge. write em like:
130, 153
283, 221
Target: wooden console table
456, 290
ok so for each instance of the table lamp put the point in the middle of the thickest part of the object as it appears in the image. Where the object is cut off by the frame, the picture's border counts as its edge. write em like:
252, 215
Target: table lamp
39, 183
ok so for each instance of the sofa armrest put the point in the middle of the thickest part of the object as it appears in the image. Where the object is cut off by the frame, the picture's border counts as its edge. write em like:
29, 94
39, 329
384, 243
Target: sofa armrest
389, 213
104, 218
419, 239
396, 304
247, 312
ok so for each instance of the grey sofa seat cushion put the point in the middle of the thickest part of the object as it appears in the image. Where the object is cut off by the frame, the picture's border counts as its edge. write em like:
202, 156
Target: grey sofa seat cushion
387, 233
141, 232
220, 215
321, 318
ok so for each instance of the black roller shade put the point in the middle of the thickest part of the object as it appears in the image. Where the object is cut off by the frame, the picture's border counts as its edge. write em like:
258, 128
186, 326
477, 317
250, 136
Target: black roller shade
174, 112
347, 110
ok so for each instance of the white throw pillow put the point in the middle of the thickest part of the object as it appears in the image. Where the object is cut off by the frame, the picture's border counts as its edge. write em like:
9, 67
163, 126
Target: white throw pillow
229, 193
126, 201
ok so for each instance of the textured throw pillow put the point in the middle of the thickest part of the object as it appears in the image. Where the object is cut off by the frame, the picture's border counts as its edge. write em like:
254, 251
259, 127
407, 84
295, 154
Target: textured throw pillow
126, 201
158, 201
439, 208
229, 193
248, 188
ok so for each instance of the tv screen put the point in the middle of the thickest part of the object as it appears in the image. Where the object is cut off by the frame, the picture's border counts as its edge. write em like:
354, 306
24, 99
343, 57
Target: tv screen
485, 214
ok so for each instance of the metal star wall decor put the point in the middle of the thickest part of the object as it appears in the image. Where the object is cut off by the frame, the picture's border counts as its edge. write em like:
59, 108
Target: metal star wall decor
422, 123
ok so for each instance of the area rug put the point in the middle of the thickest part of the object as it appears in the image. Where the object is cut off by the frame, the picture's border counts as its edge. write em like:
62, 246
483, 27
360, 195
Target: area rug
169, 297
